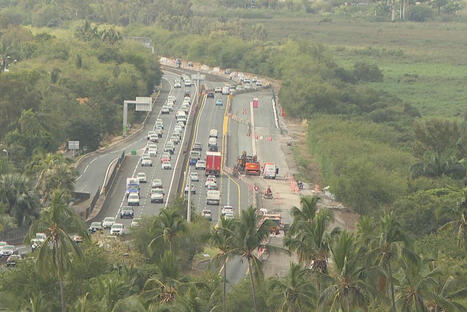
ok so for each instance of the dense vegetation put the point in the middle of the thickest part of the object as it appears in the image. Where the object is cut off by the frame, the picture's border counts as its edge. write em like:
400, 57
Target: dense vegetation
404, 173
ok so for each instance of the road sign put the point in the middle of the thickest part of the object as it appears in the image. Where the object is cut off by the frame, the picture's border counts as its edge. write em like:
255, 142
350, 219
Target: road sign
73, 145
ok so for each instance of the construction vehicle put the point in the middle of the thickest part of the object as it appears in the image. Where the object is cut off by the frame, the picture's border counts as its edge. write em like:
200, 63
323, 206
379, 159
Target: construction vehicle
248, 164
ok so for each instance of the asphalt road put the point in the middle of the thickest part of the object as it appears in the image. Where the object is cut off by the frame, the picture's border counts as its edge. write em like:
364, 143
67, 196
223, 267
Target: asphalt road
132, 165
92, 169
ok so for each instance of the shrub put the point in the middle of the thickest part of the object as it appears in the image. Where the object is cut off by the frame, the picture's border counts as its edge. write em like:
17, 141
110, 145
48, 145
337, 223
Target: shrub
420, 13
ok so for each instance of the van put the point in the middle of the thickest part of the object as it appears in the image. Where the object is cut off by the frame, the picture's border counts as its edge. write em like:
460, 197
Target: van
213, 133
212, 144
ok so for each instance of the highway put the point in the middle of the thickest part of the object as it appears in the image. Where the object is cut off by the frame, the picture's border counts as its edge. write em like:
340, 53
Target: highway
132, 164
92, 169
236, 193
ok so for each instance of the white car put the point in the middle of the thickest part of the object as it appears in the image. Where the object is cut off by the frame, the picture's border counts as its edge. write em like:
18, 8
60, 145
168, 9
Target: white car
175, 138
108, 222
7, 250
159, 124
141, 176
259, 83
154, 138
165, 110
133, 199
228, 215
172, 98
169, 147
212, 186
166, 165
116, 229
187, 99
152, 152
187, 83
194, 176
156, 183
177, 84
159, 132
135, 222
157, 195
193, 189
146, 161
218, 90
151, 133
210, 179
37, 240
200, 164
227, 210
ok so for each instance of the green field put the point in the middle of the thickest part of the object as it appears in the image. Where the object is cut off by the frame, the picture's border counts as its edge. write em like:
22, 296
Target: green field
423, 63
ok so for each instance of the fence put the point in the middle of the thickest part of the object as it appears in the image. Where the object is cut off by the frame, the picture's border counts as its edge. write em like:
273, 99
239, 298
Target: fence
16, 235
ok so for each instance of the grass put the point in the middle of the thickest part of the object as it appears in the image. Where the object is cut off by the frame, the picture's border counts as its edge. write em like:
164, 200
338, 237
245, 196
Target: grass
423, 63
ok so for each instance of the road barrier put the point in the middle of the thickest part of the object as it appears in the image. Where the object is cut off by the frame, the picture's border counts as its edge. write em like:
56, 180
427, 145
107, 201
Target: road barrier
102, 191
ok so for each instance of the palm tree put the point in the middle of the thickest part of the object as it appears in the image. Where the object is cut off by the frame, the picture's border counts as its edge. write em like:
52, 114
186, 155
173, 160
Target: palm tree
168, 226
347, 286
391, 242
56, 252
415, 284
460, 223
445, 292
222, 238
251, 234
56, 173
296, 290
163, 286
18, 198
307, 212
310, 242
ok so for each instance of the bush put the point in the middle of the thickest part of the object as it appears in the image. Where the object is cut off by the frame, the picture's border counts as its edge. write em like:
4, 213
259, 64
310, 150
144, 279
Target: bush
420, 13
367, 72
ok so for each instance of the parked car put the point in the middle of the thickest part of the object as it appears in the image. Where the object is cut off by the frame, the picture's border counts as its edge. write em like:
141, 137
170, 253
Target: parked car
116, 229
13, 260
95, 227
127, 212
7, 250
108, 222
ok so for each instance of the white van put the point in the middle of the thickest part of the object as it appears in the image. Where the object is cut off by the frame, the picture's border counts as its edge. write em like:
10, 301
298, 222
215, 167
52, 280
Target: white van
212, 142
213, 133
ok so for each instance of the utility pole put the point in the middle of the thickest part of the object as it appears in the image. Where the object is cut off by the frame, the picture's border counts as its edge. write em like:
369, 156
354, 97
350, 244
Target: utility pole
188, 213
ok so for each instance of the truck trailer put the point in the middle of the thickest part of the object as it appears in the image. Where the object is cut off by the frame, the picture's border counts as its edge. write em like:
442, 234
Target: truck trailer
213, 163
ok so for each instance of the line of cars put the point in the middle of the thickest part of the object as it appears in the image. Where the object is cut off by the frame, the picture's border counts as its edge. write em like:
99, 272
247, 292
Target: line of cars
153, 149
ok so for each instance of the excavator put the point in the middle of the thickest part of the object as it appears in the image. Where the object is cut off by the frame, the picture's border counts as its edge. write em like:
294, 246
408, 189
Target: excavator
248, 164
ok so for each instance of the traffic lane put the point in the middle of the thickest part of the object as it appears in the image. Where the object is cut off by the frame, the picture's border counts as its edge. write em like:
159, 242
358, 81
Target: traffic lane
124, 174
211, 118
92, 170
114, 199
239, 125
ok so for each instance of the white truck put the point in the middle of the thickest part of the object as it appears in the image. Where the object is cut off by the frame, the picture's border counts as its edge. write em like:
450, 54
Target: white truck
226, 90
213, 197
270, 170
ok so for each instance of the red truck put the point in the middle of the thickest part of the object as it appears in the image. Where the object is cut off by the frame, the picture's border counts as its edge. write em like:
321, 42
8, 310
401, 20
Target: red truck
213, 163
